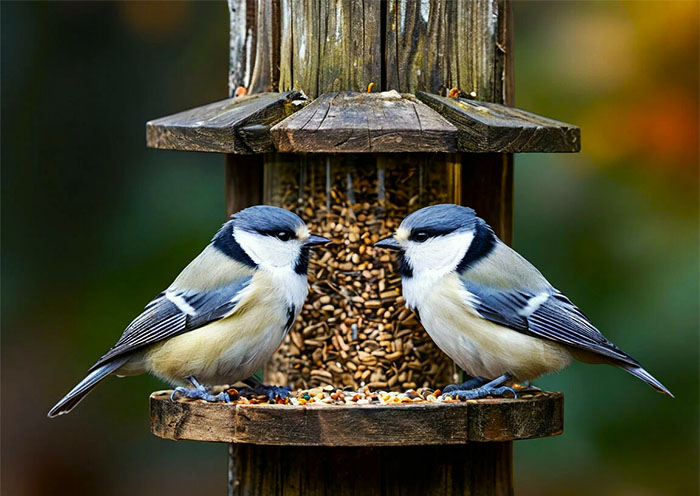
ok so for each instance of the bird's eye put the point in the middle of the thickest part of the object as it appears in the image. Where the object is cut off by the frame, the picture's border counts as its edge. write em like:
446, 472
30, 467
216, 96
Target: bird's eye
284, 235
420, 236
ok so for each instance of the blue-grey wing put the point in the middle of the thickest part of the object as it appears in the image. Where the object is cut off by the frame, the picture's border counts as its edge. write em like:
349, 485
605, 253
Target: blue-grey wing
549, 315
174, 312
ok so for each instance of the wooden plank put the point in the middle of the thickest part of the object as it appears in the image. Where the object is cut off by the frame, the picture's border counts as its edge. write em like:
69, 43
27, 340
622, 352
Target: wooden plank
244, 182
492, 127
435, 45
254, 46
486, 184
241, 37
483, 469
332, 45
365, 122
417, 424
235, 125
494, 420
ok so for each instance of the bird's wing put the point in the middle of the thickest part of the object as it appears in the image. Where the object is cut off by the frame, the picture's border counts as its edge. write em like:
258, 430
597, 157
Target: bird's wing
548, 315
177, 311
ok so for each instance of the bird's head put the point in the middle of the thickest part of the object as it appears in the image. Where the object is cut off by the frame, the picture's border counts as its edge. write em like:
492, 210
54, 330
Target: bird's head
268, 237
438, 239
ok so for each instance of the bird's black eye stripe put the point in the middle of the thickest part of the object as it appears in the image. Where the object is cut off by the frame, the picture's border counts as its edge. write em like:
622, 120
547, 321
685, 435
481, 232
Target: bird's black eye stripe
280, 233
423, 234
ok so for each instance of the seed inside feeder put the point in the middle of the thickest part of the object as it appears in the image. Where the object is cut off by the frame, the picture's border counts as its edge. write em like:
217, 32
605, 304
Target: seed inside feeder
354, 329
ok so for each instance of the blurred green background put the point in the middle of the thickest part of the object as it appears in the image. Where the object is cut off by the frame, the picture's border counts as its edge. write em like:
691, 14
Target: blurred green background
94, 224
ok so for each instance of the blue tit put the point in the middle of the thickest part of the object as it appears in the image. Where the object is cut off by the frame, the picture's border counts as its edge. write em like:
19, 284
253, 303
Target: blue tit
225, 313
488, 308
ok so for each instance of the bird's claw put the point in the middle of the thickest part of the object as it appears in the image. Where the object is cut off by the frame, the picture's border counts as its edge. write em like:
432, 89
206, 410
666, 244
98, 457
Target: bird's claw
272, 392
466, 385
476, 393
200, 393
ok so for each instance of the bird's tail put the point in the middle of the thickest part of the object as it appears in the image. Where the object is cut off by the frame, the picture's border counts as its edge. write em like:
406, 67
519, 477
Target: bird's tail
76, 394
642, 374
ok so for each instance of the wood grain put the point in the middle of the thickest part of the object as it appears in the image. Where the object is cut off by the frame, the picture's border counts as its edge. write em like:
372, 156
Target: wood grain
492, 127
435, 45
254, 46
483, 469
486, 185
352, 122
419, 424
244, 182
234, 125
331, 45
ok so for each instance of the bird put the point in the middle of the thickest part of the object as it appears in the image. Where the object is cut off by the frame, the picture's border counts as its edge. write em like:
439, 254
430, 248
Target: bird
224, 314
490, 310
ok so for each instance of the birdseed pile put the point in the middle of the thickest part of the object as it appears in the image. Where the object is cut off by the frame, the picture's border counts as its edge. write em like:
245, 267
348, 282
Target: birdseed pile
354, 329
330, 395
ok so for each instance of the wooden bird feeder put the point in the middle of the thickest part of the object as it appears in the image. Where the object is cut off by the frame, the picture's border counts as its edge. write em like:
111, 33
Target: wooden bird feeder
438, 125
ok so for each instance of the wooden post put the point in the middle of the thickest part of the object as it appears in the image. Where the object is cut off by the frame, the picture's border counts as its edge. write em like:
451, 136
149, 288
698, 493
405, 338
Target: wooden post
402, 45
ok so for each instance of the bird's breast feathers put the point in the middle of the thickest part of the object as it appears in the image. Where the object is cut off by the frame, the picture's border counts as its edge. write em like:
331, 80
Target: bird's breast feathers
481, 347
232, 348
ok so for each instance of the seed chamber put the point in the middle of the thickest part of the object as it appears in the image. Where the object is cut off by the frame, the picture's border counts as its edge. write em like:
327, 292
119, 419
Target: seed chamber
354, 328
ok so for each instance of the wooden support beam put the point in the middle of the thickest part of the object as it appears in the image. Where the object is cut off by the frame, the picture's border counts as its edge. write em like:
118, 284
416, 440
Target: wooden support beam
244, 182
352, 122
475, 469
234, 125
416, 424
492, 127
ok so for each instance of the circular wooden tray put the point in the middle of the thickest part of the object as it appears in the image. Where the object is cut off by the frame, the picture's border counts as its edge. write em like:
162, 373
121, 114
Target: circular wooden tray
412, 424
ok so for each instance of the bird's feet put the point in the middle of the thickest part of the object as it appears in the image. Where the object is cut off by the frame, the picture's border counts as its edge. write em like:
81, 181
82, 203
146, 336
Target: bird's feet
476, 393
492, 388
199, 392
272, 392
468, 384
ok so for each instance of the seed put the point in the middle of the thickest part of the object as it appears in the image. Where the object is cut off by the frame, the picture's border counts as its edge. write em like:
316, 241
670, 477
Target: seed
354, 323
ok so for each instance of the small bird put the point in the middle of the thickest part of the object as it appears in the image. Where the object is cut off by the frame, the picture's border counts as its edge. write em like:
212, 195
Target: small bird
488, 308
223, 316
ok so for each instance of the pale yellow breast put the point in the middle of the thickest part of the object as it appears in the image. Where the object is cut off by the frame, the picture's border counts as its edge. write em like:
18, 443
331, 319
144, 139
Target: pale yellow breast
229, 349
483, 348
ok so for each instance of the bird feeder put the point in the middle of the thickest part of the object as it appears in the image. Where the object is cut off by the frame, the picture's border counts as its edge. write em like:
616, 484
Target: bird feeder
354, 115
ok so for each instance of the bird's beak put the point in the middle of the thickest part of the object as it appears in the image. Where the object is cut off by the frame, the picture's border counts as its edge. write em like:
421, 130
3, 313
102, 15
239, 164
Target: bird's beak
388, 243
314, 240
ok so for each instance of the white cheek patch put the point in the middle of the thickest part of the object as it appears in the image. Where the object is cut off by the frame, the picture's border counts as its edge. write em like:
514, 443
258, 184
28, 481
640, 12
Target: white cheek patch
268, 250
439, 255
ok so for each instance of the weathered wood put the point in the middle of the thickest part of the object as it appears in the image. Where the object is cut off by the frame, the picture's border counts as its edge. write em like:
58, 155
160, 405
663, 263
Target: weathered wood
418, 424
254, 47
365, 122
238, 46
486, 185
330, 45
491, 127
235, 125
435, 45
483, 469
244, 182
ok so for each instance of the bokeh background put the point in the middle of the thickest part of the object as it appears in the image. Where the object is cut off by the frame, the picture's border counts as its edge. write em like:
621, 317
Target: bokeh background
94, 224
